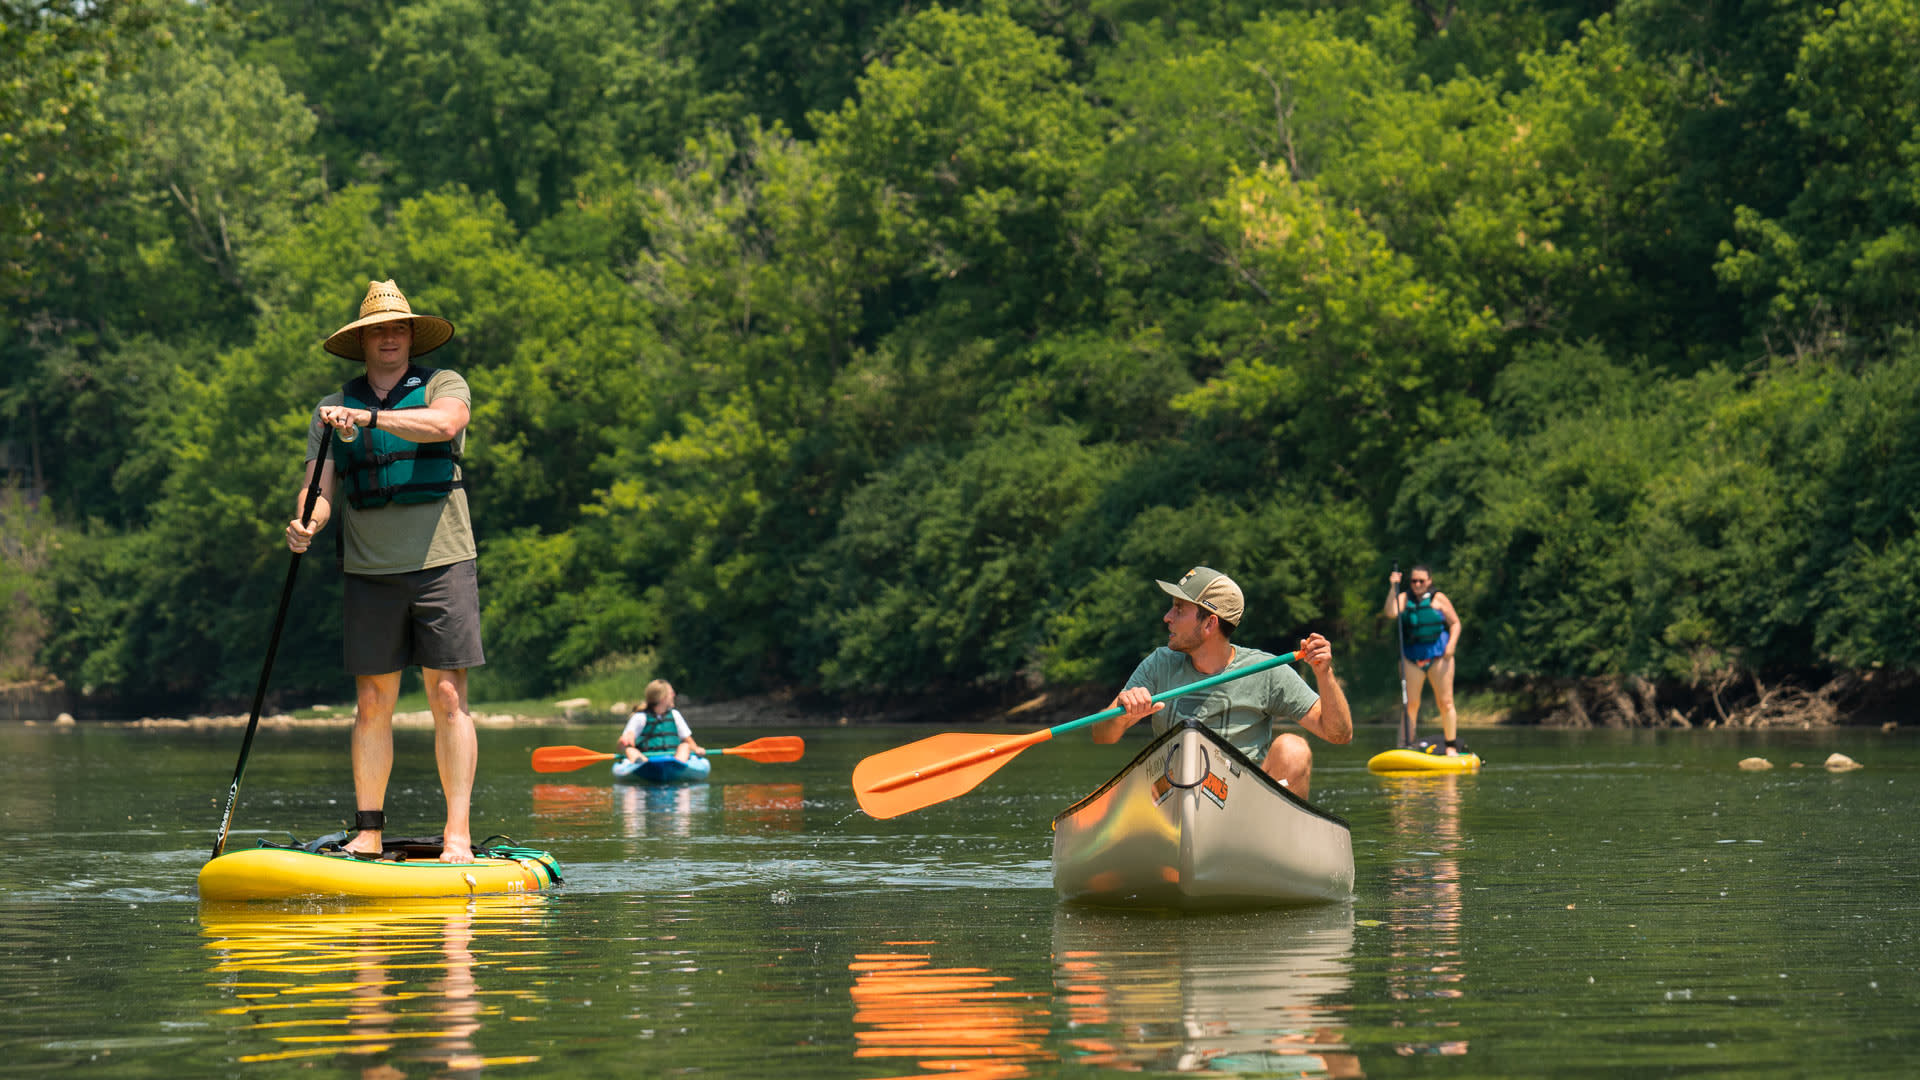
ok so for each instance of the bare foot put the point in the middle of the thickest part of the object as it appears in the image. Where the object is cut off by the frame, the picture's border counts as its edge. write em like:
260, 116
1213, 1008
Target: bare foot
363, 843
456, 850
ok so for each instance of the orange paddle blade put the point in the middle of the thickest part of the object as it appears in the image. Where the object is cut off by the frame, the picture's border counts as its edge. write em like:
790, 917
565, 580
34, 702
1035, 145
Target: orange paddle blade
906, 778
566, 758
771, 748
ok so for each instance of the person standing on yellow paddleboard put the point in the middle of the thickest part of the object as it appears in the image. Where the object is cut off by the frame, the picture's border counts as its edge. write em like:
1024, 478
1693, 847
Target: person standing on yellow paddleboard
411, 593
1429, 634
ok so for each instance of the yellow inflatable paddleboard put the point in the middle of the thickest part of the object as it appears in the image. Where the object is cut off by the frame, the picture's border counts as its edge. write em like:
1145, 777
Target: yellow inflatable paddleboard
272, 873
1409, 760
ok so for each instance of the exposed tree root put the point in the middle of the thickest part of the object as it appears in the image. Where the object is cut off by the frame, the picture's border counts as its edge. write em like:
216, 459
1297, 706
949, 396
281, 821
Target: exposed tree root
1727, 698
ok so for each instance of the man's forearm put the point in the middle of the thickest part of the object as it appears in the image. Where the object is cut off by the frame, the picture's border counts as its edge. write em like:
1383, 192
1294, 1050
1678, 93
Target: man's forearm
1336, 720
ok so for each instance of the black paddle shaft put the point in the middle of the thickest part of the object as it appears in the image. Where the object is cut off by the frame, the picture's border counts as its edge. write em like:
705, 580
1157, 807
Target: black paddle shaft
273, 648
1400, 665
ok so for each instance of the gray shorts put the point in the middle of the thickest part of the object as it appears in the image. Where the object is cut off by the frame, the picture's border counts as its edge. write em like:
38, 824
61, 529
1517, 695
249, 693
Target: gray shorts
422, 618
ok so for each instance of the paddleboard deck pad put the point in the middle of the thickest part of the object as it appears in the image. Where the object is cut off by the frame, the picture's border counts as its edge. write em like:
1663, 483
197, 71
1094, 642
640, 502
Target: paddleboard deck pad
1425, 756
407, 868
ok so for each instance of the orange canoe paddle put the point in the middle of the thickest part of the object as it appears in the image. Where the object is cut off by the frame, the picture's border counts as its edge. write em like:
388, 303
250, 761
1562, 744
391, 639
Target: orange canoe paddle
907, 778
569, 758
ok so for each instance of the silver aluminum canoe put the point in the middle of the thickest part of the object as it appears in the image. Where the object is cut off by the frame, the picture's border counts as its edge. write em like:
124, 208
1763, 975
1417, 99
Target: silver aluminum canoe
1194, 824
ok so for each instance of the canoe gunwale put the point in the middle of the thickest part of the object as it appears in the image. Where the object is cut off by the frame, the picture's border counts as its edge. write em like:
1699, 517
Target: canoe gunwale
1217, 741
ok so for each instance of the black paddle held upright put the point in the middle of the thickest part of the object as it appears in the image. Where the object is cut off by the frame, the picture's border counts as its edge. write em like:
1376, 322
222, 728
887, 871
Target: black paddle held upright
273, 647
1400, 665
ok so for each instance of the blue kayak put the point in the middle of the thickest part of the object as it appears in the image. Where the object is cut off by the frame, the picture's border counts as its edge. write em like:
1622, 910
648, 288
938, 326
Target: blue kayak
663, 769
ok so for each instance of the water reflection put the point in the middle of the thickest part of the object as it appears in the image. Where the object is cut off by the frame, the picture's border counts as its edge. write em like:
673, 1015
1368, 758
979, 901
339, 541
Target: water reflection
1424, 906
1255, 992
395, 983
764, 807
571, 804
660, 809
958, 1021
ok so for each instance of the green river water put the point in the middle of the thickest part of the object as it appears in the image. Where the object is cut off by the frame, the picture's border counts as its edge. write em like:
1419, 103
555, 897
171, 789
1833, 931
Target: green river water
1592, 903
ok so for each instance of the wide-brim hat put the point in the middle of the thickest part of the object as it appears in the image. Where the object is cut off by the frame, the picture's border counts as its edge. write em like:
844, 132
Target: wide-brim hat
385, 303
1210, 589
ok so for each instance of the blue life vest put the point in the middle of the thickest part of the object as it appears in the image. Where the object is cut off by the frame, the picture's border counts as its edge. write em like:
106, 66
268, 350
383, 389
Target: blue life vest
381, 467
660, 735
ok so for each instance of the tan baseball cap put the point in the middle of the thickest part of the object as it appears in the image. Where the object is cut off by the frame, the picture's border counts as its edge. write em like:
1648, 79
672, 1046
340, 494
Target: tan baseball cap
1210, 589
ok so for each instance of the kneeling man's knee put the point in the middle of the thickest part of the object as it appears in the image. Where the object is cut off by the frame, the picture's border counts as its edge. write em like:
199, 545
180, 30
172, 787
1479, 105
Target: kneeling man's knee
1292, 750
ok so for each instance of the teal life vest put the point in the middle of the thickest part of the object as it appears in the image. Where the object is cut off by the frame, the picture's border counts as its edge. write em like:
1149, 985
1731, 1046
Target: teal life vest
1420, 622
381, 467
660, 735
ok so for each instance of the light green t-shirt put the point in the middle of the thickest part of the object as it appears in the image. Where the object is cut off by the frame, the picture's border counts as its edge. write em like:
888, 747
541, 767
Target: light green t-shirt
400, 537
1242, 710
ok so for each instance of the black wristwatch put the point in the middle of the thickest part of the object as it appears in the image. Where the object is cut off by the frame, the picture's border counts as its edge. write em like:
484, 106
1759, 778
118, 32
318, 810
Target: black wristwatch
373, 417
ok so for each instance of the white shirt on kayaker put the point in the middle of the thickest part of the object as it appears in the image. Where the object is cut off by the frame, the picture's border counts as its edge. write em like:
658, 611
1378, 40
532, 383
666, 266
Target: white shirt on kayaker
638, 722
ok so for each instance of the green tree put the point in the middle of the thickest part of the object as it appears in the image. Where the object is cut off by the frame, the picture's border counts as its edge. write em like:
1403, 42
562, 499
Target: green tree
239, 173
939, 571
519, 100
58, 149
1337, 350
1838, 260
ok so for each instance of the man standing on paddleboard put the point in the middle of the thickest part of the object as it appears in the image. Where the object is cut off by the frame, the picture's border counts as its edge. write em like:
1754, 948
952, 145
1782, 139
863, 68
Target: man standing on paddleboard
411, 593
1206, 610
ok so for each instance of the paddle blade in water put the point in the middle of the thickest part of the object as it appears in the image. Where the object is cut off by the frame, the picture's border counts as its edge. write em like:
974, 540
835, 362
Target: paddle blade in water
906, 778
566, 758
771, 748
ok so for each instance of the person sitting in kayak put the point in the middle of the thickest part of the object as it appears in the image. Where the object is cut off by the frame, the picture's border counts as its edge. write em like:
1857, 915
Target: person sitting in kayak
1206, 610
659, 728
1429, 633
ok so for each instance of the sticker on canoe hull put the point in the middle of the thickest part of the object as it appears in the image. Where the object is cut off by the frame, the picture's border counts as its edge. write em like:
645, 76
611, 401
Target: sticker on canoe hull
1215, 788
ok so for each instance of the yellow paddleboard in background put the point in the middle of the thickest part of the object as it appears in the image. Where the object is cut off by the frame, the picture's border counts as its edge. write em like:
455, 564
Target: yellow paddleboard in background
1408, 760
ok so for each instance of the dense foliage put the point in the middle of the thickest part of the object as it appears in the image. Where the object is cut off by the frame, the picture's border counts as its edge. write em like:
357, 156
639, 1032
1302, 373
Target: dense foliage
885, 348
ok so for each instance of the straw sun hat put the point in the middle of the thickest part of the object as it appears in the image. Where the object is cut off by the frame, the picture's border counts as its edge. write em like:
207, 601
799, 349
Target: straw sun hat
384, 303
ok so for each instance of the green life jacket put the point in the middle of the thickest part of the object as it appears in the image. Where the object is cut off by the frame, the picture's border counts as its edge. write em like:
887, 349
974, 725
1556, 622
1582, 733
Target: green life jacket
1420, 622
660, 735
380, 467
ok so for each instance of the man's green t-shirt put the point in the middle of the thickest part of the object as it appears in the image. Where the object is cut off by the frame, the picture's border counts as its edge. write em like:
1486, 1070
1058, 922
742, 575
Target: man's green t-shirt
1242, 710
401, 537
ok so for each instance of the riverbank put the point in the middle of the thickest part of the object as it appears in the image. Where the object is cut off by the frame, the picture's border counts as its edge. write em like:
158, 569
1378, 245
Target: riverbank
763, 710
1869, 699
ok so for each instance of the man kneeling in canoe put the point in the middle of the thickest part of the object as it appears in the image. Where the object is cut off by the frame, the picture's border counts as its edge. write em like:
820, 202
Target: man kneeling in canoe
1206, 610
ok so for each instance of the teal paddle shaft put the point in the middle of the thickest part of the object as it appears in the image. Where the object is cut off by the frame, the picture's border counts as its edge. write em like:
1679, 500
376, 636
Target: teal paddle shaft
1180, 691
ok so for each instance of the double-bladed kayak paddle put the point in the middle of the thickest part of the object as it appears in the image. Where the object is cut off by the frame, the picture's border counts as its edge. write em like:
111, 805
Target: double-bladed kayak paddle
569, 758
